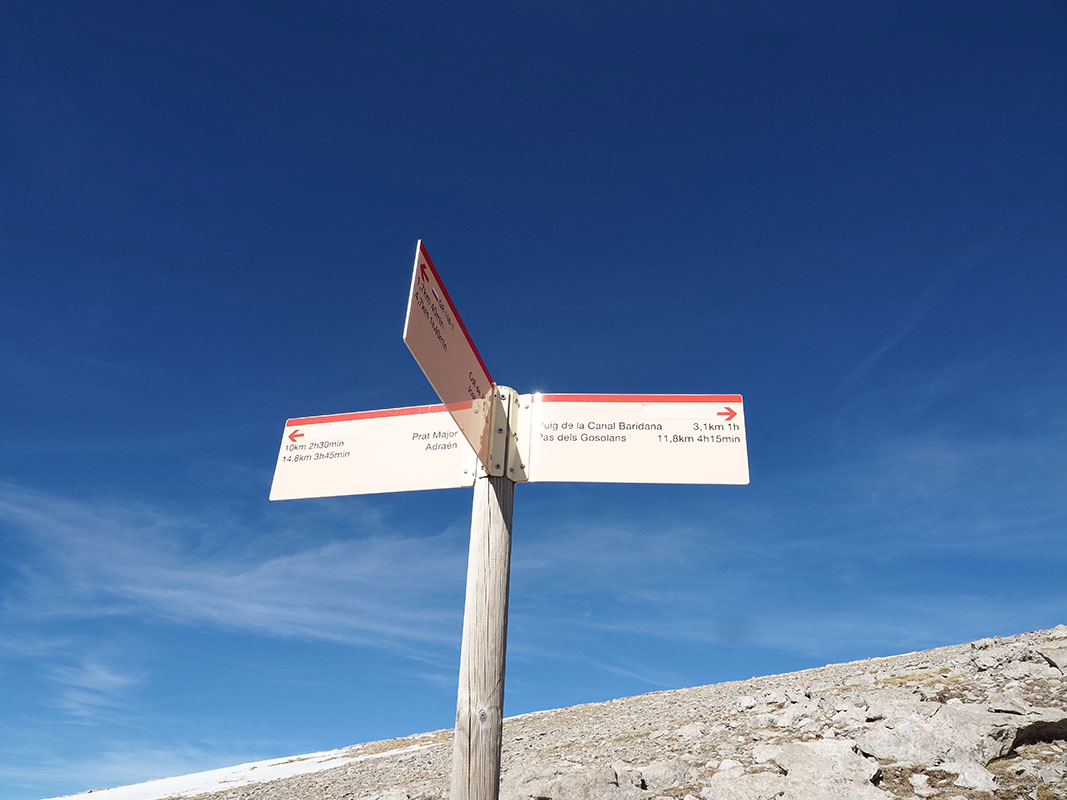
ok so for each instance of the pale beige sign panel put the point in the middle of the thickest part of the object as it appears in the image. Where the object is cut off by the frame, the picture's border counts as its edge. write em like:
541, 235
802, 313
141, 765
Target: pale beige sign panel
367, 452
637, 438
437, 337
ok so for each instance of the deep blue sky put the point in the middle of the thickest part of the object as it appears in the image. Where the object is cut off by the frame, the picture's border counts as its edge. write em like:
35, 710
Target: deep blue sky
852, 214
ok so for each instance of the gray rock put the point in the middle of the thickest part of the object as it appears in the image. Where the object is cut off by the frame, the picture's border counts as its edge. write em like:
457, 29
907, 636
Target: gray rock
823, 770
851, 716
578, 784
819, 760
627, 775
775, 698
1055, 656
975, 776
1024, 768
729, 764
1010, 701
666, 773
1052, 774
1028, 670
985, 662
726, 786
958, 734
693, 730
793, 714
1042, 724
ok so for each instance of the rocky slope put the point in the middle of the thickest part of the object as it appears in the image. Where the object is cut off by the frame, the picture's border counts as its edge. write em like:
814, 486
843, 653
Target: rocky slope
981, 720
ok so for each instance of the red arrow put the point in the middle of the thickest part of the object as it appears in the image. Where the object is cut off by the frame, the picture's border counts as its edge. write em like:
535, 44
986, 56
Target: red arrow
729, 413
294, 435
423, 273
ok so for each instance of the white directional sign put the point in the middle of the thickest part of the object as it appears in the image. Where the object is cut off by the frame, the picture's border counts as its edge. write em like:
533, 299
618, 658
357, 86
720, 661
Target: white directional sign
636, 438
437, 337
394, 450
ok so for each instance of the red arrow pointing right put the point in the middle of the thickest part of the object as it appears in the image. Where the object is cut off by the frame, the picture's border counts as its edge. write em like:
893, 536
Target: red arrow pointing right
425, 275
729, 413
294, 435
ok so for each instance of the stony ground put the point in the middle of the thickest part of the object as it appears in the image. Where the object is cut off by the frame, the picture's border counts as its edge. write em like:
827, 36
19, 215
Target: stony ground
981, 720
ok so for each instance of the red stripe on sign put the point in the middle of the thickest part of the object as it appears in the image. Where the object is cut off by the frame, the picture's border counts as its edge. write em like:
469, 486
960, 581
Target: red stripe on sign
385, 412
455, 313
639, 398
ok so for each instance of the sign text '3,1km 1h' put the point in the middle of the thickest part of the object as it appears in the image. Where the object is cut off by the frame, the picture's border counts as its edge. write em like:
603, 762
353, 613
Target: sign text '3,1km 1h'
488, 436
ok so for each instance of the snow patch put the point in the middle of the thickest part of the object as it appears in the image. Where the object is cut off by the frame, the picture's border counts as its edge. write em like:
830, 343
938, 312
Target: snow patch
242, 775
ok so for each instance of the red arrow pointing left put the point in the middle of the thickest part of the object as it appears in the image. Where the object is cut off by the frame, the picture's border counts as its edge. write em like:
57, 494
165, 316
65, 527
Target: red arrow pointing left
294, 435
426, 279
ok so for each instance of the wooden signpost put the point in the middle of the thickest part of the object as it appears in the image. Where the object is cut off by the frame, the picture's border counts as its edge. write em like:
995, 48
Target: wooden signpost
487, 436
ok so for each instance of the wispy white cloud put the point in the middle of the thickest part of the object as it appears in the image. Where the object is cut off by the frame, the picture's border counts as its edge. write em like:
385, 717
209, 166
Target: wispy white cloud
90, 685
32, 644
918, 310
92, 559
659, 678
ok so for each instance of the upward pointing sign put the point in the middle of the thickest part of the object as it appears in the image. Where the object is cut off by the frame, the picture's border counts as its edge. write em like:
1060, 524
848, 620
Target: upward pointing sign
436, 336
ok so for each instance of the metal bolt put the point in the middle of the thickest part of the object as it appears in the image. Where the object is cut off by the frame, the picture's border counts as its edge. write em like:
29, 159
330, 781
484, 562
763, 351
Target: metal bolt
499, 430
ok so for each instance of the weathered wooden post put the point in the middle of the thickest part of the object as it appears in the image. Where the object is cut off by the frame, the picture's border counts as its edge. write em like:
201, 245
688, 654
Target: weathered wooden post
480, 705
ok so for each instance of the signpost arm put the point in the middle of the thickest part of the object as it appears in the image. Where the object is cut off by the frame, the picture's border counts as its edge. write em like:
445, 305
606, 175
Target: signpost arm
480, 705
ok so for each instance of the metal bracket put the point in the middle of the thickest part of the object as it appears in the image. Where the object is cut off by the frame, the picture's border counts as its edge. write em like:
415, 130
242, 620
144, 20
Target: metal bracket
498, 430
509, 441
519, 441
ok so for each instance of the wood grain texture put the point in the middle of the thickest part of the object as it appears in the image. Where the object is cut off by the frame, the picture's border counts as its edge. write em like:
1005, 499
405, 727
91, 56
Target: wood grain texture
480, 706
